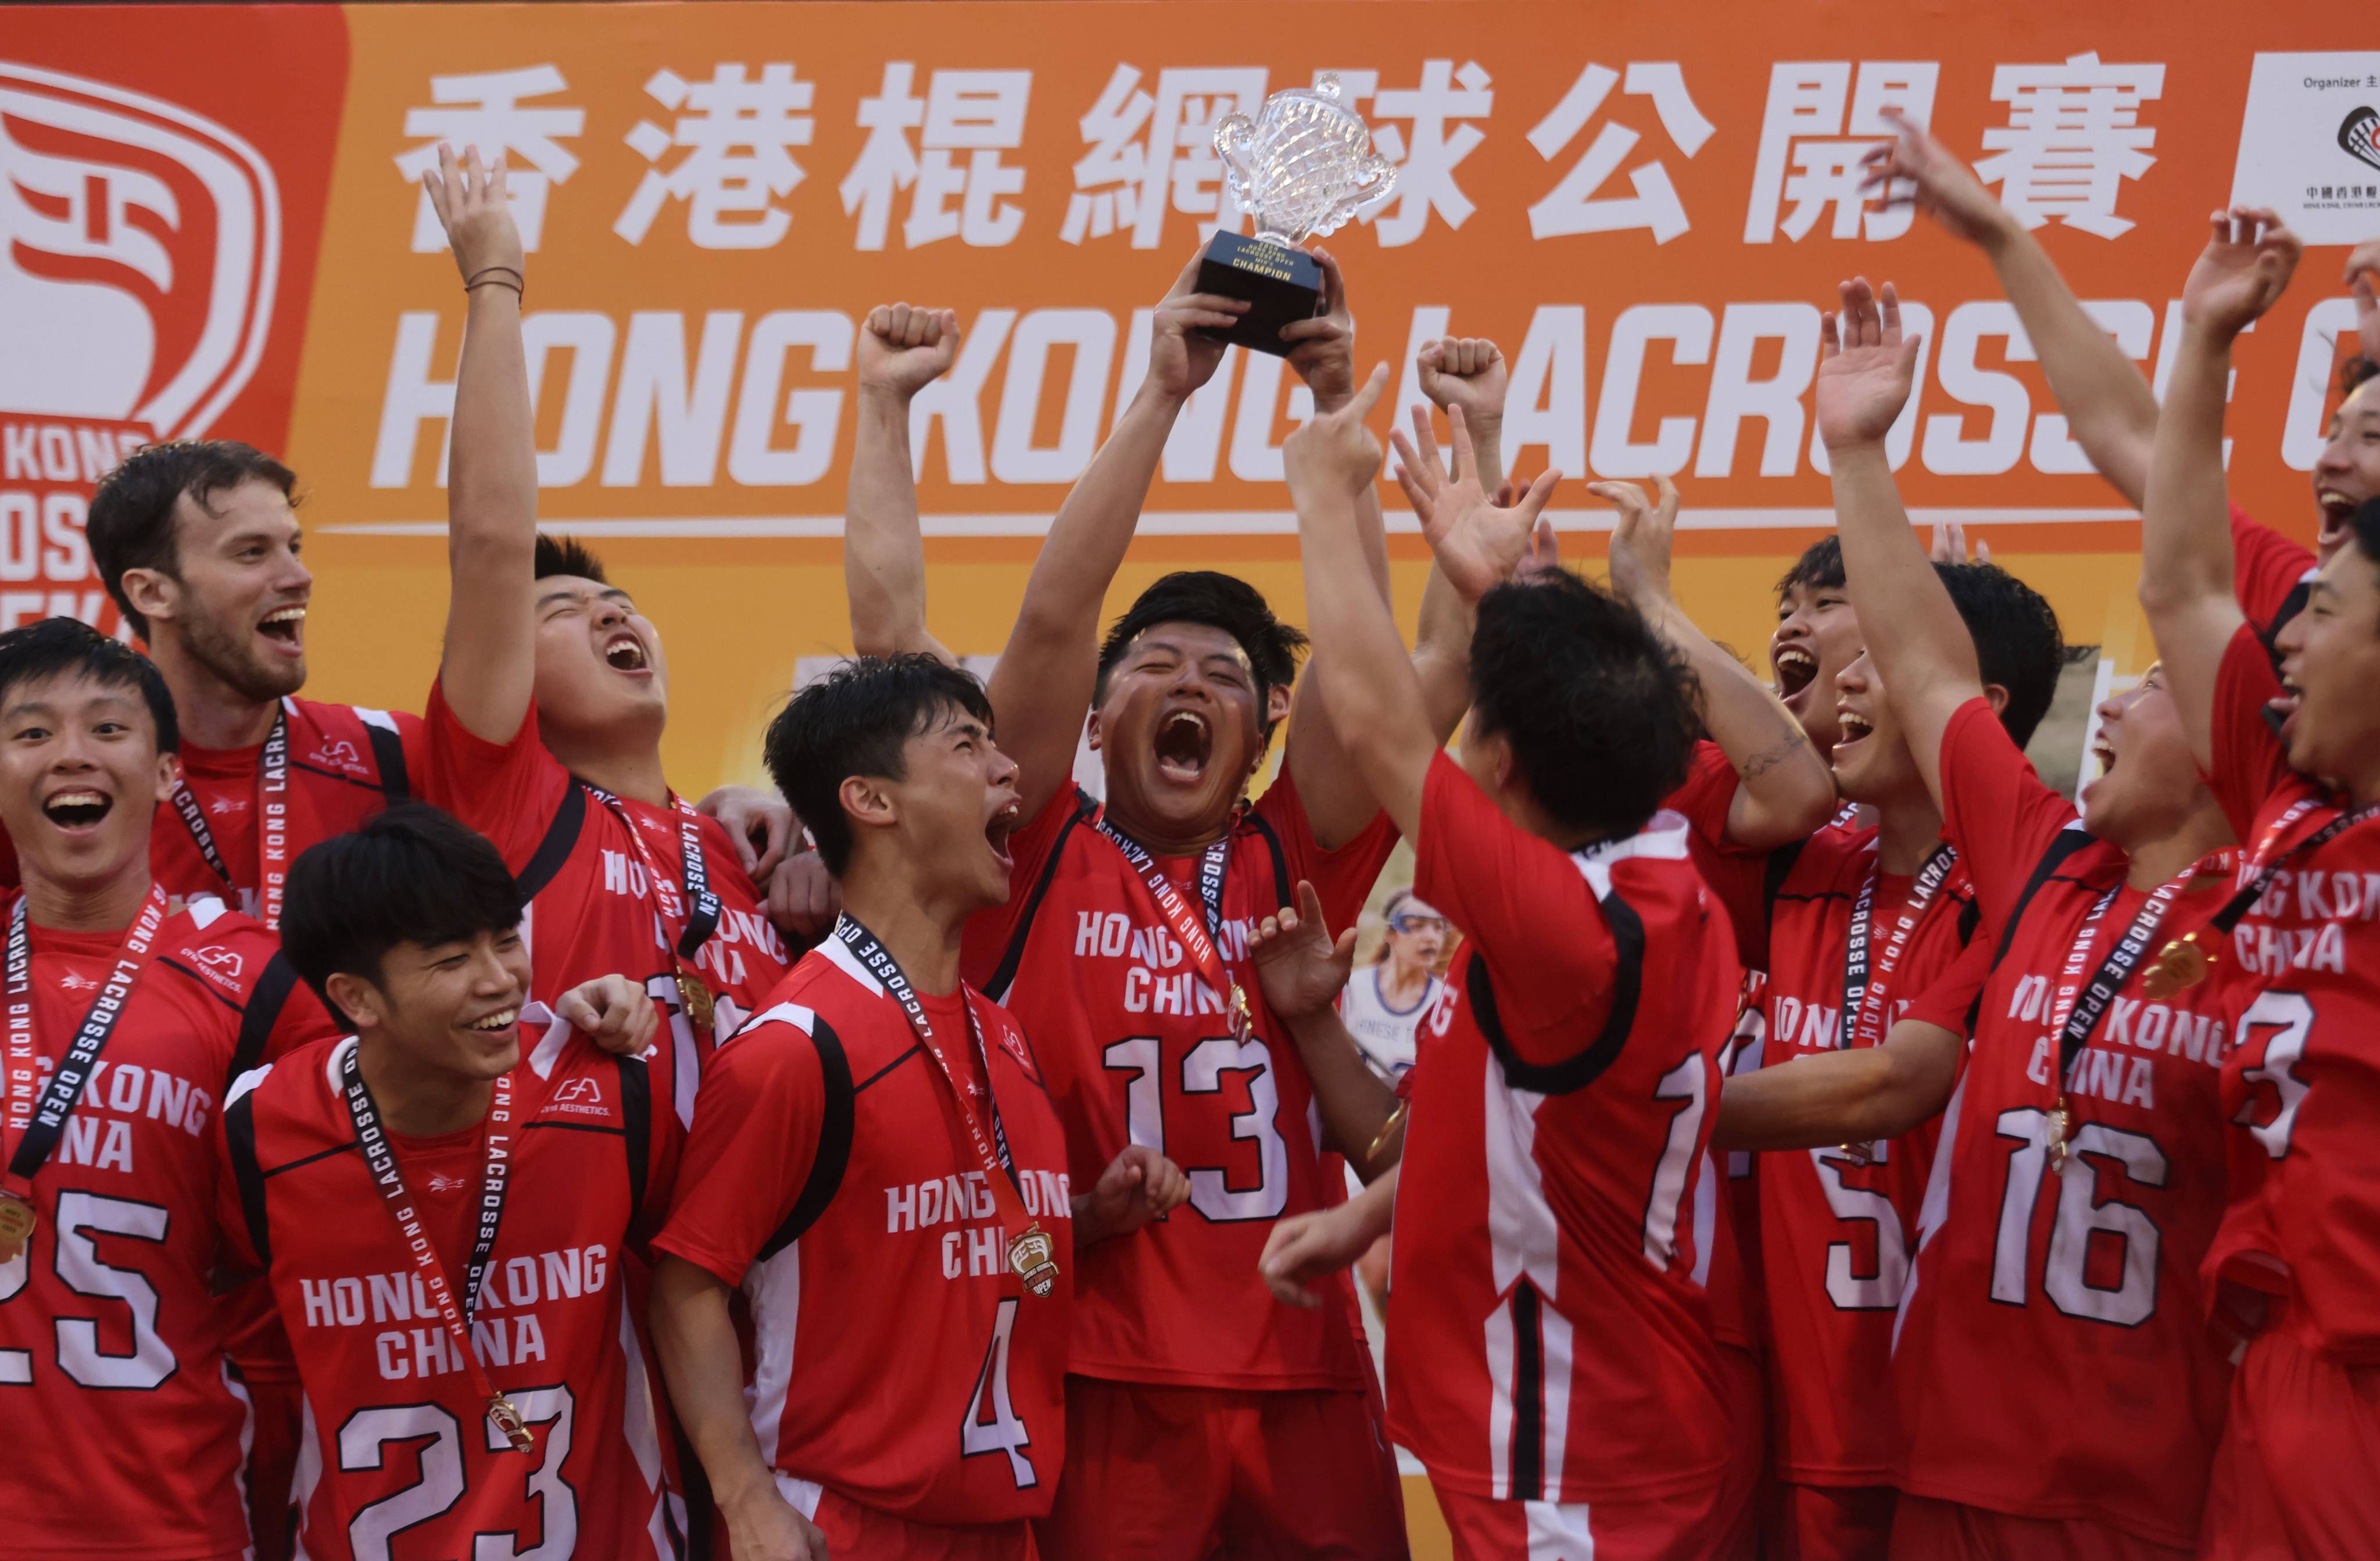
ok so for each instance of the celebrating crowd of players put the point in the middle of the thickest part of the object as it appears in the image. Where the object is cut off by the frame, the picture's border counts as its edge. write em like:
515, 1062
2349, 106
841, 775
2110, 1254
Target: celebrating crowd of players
424, 1137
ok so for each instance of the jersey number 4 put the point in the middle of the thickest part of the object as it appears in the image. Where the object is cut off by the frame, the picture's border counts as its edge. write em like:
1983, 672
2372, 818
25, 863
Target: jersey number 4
991, 1424
1203, 1067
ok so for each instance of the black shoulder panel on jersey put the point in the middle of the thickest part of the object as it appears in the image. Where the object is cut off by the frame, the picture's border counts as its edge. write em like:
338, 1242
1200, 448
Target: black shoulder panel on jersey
1971, 916
637, 1117
833, 1146
265, 1002
239, 1135
1005, 973
388, 752
1280, 883
554, 849
1781, 863
2068, 841
1576, 1072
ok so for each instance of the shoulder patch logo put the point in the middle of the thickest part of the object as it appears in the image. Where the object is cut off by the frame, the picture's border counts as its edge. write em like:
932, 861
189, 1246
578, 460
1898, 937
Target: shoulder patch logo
579, 1095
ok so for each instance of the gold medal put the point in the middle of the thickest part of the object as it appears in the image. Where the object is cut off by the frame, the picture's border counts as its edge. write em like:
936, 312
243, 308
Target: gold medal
508, 1420
1242, 1020
2180, 965
1029, 1255
17, 1222
699, 1005
2058, 1150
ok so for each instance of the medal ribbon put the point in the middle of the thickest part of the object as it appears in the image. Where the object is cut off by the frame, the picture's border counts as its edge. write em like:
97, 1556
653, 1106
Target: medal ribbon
39, 1124
272, 823
2270, 862
1198, 941
1866, 991
701, 904
990, 1151
380, 1159
2090, 1005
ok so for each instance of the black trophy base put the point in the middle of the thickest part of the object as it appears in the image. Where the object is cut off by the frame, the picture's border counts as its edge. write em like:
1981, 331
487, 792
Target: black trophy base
1279, 285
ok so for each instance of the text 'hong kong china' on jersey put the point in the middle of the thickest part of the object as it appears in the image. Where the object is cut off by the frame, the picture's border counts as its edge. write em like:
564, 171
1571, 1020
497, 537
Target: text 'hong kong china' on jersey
2302, 1089
398, 1456
594, 908
111, 1343
1549, 1341
898, 1359
1138, 1049
1838, 1225
2052, 1359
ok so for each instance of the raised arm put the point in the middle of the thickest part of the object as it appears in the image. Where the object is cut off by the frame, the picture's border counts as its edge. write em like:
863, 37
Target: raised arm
1853, 1096
1302, 969
2109, 410
2186, 559
1787, 790
489, 670
1041, 690
1465, 372
1907, 618
902, 350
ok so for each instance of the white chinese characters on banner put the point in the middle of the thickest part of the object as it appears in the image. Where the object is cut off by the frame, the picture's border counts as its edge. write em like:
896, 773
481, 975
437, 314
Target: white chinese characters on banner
2073, 135
1426, 155
735, 132
485, 112
1813, 131
1573, 206
974, 114
1150, 155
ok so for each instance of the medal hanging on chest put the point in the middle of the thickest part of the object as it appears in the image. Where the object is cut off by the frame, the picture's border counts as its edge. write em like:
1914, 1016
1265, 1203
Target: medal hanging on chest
1032, 1251
1867, 983
2185, 962
36, 1118
495, 1185
2091, 1002
1199, 936
272, 825
702, 910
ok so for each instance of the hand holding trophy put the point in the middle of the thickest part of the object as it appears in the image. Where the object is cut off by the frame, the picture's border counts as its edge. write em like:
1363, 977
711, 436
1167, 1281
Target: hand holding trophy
1302, 169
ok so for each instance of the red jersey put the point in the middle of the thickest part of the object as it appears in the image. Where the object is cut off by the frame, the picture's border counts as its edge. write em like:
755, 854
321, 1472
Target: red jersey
2270, 575
898, 1360
1138, 1050
1837, 1233
2302, 1089
2050, 1356
1548, 1340
111, 1345
398, 1458
582, 871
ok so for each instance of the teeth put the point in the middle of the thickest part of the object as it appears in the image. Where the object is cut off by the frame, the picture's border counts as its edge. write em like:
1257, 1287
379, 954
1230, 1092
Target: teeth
497, 1021
1854, 727
77, 799
286, 615
1791, 658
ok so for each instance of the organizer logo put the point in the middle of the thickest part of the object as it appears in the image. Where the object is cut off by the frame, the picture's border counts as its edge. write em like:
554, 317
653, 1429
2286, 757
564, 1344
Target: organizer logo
140, 250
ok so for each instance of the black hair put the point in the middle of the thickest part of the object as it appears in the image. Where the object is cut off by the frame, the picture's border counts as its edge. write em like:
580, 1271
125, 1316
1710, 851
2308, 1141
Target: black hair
853, 721
2018, 645
1819, 568
568, 555
56, 645
2366, 525
1218, 601
2353, 373
131, 524
410, 875
1599, 711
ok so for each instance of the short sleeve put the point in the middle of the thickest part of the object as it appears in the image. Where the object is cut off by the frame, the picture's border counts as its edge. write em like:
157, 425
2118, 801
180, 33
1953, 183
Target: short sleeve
1951, 999
666, 1154
1523, 903
1708, 791
1737, 879
2265, 569
1344, 878
1995, 809
754, 1136
2250, 762
508, 792
240, 1255
990, 930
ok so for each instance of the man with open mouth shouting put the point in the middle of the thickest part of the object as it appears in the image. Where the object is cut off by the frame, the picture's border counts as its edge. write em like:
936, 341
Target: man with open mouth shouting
126, 1021
546, 720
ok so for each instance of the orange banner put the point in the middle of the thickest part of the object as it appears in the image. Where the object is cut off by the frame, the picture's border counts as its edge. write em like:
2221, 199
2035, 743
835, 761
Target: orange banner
1647, 217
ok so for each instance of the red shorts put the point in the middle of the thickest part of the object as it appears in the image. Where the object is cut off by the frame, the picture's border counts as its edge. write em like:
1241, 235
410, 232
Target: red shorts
1155, 1473
1928, 1530
1678, 1528
274, 1410
2294, 1476
861, 1533
1742, 1496
1832, 1522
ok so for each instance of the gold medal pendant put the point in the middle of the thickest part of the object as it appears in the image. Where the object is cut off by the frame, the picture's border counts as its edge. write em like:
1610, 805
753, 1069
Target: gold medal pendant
508, 1420
17, 1222
1860, 1154
1242, 1020
1029, 1255
2057, 1149
696, 998
2180, 965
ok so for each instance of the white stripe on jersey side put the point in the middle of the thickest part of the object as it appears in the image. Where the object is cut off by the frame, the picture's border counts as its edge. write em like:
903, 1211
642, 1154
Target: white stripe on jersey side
237, 1387
245, 1083
643, 1434
1558, 1532
1935, 1208
1662, 840
802, 1495
838, 954
773, 1286
1524, 1241
1706, 1218
308, 1472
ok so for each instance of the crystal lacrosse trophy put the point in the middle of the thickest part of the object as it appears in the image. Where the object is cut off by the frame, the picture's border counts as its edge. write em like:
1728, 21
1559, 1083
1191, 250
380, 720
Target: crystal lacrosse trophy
1302, 168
